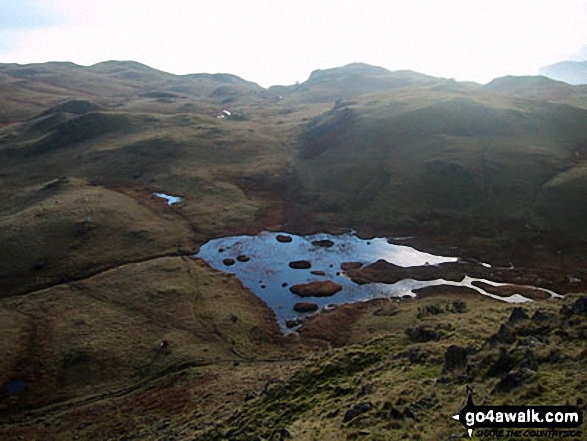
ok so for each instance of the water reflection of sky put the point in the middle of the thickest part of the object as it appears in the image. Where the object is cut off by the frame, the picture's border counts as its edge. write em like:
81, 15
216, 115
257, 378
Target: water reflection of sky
170, 199
267, 270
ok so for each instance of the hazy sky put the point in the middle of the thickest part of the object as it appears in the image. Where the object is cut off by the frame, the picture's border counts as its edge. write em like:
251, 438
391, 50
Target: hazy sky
282, 41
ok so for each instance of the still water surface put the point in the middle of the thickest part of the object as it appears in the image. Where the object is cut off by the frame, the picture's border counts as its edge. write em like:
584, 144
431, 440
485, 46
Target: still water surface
264, 267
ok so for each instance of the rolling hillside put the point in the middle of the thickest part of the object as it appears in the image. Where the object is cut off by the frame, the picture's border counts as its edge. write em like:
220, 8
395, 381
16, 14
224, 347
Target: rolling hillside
96, 270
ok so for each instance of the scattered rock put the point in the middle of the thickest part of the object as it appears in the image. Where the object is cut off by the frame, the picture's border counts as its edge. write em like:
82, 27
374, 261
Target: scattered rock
514, 379
283, 238
518, 313
505, 335
228, 262
455, 358
357, 410
539, 316
323, 243
323, 288
305, 307
503, 364
292, 323
421, 334
243, 258
347, 266
300, 264
333, 413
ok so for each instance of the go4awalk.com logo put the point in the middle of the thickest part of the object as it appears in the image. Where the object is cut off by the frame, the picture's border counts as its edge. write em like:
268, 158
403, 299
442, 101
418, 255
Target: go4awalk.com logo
515, 421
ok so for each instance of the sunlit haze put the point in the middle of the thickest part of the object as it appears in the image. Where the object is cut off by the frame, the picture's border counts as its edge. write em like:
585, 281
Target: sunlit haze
281, 42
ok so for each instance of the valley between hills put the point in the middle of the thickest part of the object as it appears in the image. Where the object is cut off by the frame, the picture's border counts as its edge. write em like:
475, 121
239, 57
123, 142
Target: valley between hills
96, 270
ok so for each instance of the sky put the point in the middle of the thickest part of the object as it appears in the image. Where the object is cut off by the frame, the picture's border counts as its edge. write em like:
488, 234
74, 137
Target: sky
282, 41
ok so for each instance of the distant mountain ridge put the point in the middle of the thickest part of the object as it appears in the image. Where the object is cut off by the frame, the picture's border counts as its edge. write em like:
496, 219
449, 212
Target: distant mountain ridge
572, 72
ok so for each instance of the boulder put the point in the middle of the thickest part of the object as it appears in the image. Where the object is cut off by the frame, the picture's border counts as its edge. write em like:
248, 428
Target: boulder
243, 258
505, 335
455, 358
318, 273
283, 238
300, 264
324, 288
305, 307
421, 334
228, 262
518, 313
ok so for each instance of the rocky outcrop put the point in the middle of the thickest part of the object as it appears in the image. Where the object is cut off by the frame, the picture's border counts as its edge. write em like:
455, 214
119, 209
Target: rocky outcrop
455, 358
505, 334
385, 272
518, 313
435, 290
324, 288
510, 290
347, 266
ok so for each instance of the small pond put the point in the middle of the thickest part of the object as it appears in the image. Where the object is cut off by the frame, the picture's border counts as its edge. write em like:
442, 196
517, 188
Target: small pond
170, 199
262, 263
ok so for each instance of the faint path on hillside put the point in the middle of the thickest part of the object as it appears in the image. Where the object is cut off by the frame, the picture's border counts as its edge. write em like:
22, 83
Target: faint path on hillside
102, 270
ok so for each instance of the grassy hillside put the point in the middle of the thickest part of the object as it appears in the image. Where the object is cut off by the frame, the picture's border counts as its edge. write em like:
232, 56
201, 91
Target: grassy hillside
102, 334
95, 270
389, 377
67, 229
424, 156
